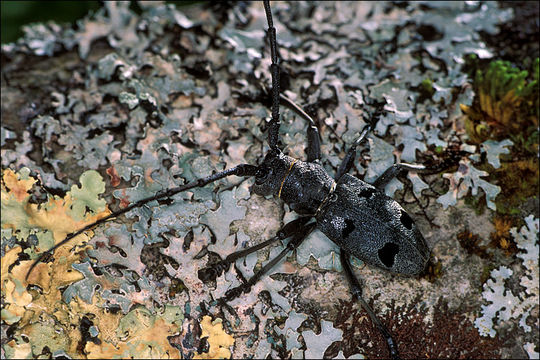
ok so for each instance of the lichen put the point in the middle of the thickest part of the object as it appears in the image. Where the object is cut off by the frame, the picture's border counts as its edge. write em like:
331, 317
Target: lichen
45, 317
506, 304
161, 97
218, 340
469, 178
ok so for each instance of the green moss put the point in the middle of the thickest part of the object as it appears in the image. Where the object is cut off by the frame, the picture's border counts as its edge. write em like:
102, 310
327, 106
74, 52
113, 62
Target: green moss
486, 273
426, 88
506, 103
478, 203
507, 107
518, 181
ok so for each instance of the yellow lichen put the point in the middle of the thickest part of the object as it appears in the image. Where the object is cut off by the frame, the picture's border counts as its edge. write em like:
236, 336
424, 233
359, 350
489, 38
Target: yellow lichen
49, 222
218, 340
17, 184
18, 350
142, 335
43, 316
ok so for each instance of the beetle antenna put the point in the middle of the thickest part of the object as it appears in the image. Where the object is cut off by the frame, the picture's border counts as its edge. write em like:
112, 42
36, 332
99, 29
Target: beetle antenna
273, 130
239, 170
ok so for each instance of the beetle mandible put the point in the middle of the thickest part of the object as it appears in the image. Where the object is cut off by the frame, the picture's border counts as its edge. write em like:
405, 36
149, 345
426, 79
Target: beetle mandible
357, 216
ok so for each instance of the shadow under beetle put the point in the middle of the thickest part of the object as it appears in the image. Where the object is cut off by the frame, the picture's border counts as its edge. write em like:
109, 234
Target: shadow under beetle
357, 216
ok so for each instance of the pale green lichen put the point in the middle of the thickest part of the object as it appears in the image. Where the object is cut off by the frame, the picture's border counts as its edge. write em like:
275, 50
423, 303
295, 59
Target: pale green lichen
468, 178
162, 108
504, 304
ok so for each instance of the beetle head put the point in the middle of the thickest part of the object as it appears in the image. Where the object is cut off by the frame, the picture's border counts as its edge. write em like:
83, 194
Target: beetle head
272, 172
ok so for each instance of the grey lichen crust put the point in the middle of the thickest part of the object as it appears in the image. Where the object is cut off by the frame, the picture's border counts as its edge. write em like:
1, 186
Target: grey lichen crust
159, 99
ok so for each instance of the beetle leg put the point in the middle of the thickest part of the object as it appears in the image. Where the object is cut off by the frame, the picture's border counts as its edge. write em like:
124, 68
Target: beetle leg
356, 291
302, 232
390, 173
348, 160
313, 149
211, 272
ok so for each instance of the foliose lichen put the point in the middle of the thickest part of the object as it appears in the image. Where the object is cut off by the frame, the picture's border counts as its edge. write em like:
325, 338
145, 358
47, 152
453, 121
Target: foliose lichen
506, 304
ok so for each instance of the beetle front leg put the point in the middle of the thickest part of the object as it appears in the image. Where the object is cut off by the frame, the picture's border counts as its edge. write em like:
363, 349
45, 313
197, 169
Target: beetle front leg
356, 291
211, 272
239, 170
313, 150
297, 239
348, 160
390, 173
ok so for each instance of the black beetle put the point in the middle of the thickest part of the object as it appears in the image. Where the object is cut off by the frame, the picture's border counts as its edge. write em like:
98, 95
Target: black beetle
357, 216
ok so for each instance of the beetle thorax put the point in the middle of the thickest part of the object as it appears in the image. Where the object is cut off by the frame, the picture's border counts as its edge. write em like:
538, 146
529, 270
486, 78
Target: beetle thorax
302, 185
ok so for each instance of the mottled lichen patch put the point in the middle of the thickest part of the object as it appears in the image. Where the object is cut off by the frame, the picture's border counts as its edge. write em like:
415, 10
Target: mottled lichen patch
153, 100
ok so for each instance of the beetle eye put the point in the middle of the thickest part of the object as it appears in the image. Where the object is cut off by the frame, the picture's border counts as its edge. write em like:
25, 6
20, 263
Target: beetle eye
261, 175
